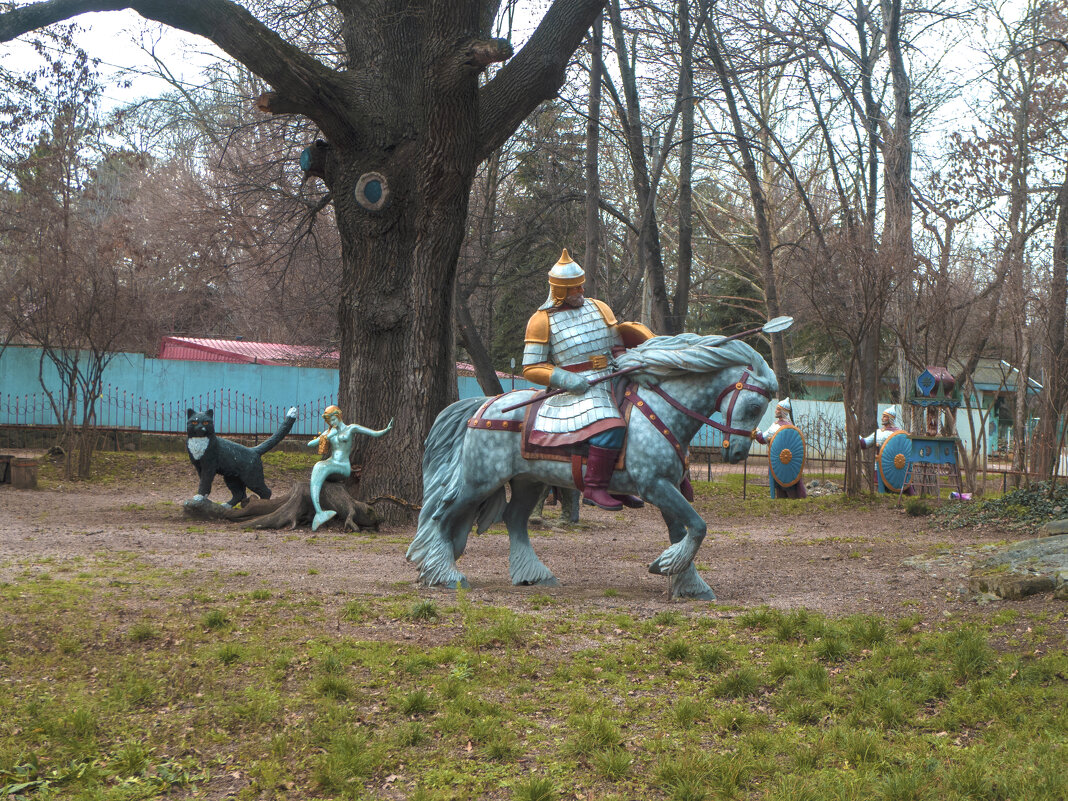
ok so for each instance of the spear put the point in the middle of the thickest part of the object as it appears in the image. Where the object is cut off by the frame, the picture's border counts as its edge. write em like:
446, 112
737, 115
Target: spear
772, 326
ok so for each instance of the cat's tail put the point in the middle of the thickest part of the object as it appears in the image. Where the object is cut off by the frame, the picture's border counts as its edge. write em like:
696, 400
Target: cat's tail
267, 444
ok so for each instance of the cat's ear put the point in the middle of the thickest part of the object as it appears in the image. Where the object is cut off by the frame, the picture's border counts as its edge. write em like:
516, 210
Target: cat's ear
189, 414
210, 413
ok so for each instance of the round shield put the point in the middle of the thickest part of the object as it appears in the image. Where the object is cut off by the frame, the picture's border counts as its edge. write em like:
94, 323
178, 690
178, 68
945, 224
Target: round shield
786, 455
895, 461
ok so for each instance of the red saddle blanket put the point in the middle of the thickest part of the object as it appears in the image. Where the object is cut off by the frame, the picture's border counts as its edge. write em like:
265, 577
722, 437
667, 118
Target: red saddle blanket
491, 417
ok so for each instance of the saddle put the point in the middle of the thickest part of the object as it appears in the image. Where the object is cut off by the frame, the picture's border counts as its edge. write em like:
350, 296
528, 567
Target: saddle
489, 420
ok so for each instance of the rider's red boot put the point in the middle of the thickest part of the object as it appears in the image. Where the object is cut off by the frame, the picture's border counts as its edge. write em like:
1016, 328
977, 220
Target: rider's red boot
599, 466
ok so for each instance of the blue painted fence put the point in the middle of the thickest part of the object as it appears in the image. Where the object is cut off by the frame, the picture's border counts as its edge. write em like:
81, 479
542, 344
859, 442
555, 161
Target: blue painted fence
151, 395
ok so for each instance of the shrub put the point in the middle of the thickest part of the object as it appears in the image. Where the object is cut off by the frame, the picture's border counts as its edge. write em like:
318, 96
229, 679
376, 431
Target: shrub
917, 507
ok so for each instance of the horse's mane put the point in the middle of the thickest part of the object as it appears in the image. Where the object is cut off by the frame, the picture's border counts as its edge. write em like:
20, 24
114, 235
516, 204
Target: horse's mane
665, 357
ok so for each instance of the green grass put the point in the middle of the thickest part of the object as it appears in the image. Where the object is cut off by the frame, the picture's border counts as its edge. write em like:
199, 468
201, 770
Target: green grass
169, 688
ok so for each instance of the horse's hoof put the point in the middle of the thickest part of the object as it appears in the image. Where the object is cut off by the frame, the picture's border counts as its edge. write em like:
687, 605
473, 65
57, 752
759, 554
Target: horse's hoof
459, 584
545, 582
706, 595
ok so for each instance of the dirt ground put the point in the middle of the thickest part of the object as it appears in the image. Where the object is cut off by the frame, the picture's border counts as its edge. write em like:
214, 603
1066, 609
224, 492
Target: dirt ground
836, 562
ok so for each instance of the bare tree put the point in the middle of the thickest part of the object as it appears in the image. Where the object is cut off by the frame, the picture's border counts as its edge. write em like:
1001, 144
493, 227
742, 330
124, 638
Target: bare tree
74, 287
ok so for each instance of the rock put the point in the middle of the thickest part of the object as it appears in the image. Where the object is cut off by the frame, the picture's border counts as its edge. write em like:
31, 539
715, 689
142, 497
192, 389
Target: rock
1010, 586
1055, 527
819, 487
1044, 554
204, 509
1022, 568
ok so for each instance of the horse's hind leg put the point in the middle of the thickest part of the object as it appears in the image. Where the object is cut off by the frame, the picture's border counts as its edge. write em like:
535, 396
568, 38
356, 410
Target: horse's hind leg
524, 566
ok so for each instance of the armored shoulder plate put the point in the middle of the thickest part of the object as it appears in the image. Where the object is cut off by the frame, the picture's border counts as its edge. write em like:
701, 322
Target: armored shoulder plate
605, 310
633, 334
538, 327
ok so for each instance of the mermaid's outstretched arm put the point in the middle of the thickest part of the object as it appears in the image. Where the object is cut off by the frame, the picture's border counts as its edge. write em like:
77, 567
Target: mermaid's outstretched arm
369, 431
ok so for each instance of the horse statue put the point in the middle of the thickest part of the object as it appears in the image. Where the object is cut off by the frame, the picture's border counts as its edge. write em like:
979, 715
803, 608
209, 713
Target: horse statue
474, 449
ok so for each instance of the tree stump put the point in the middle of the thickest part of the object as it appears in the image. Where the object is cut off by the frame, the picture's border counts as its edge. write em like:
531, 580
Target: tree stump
292, 510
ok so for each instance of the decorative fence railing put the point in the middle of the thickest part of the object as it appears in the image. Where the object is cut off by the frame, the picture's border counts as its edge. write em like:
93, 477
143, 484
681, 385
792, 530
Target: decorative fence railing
238, 413
235, 412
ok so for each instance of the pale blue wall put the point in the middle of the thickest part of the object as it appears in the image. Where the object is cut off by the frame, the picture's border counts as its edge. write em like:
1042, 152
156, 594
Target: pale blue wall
153, 394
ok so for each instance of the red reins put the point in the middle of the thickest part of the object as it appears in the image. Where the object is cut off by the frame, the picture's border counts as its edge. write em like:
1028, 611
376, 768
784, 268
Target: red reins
736, 388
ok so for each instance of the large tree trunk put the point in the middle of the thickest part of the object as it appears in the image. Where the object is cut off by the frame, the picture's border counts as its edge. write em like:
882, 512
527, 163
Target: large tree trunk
397, 300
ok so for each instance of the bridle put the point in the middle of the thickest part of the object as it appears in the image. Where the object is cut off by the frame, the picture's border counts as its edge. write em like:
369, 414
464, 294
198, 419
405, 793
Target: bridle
735, 390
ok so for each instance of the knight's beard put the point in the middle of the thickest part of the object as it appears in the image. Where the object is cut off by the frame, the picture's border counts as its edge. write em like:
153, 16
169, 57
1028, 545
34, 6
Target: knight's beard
575, 300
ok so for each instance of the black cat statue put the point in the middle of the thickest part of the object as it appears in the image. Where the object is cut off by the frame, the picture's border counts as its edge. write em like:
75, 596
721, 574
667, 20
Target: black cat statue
240, 466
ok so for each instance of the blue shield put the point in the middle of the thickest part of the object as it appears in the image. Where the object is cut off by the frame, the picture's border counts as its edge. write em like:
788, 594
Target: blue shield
786, 455
895, 462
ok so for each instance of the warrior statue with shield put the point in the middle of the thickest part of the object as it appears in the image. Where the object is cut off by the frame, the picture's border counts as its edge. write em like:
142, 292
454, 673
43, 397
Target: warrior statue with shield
570, 342
891, 461
786, 454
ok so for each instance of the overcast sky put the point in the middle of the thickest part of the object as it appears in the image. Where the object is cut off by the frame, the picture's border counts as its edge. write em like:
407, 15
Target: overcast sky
117, 39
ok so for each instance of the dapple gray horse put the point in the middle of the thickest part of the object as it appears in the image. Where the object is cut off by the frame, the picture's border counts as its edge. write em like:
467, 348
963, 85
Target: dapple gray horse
683, 380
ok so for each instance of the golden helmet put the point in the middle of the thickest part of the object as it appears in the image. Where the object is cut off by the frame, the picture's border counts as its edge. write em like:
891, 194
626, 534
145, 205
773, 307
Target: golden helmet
566, 273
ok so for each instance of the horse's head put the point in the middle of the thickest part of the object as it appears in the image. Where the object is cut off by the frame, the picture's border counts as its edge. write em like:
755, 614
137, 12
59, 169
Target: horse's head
742, 402
711, 375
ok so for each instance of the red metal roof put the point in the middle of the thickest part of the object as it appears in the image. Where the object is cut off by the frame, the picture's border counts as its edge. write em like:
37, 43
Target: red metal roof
238, 350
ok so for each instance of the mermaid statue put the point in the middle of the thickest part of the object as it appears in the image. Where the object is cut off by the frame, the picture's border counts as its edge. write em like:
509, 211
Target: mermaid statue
337, 441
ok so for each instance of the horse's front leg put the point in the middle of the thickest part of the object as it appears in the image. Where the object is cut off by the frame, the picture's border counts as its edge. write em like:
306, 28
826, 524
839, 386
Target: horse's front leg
686, 528
524, 566
688, 584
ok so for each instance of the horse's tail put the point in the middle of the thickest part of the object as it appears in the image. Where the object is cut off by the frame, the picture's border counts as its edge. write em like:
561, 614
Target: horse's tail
446, 517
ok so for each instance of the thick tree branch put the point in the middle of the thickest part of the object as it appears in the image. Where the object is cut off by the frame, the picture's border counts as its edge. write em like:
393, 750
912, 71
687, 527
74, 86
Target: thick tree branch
535, 74
307, 86
480, 53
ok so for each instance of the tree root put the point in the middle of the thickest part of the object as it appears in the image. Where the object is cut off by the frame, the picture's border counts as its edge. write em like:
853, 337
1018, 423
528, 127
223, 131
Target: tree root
292, 510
